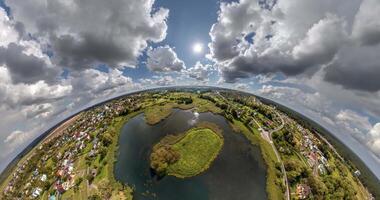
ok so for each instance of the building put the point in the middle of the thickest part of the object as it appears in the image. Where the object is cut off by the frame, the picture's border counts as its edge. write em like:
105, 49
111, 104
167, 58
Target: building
303, 191
357, 173
43, 178
36, 192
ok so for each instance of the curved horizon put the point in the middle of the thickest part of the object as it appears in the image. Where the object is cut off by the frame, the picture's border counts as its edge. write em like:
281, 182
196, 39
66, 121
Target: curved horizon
317, 60
367, 159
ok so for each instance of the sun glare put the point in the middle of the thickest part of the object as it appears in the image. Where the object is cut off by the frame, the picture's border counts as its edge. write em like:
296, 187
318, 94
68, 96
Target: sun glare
198, 48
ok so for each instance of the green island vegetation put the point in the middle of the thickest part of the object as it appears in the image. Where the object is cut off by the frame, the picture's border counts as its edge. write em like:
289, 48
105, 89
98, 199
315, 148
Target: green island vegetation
155, 114
78, 163
187, 154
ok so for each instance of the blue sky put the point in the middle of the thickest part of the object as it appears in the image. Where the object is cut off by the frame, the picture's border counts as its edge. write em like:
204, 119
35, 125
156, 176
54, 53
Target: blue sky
320, 59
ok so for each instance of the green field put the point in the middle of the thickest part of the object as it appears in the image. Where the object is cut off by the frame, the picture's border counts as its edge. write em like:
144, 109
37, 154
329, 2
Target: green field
155, 114
197, 148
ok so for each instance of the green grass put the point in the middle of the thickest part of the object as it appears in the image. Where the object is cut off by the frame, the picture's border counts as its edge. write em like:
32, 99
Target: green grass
203, 105
105, 175
155, 114
198, 148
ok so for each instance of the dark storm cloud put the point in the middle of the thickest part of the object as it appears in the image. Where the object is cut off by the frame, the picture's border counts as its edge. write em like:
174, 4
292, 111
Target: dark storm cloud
87, 32
366, 27
88, 50
25, 68
367, 78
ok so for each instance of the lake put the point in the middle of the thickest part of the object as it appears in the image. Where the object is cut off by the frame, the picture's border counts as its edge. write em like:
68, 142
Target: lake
239, 171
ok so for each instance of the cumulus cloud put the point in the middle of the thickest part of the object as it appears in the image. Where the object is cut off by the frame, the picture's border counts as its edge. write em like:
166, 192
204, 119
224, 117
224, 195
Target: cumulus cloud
16, 137
7, 34
164, 59
199, 72
242, 86
374, 141
92, 84
42, 110
26, 68
298, 38
281, 42
14, 140
157, 81
23, 58
357, 69
83, 33
360, 127
353, 122
366, 27
12, 95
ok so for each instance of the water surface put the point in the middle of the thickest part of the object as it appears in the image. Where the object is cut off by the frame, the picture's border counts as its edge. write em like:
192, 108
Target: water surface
238, 172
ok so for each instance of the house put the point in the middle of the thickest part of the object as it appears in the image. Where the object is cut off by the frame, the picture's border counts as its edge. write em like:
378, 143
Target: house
36, 192
322, 169
43, 178
303, 191
59, 188
60, 173
357, 173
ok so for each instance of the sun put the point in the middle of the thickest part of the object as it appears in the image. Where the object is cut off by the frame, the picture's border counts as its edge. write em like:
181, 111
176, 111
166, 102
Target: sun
198, 48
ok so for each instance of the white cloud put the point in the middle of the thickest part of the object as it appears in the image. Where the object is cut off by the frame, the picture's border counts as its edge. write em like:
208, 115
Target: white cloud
374, 141
83, 33
353, 122
242, 86
39, 111
164, 59
281, 38
13, 95
14, 141
16, 137
366, 27
157, 81
7, 33
199, 72
93, 81
298, 38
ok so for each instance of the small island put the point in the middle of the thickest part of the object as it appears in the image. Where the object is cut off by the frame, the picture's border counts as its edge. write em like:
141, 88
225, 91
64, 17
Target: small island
187, 154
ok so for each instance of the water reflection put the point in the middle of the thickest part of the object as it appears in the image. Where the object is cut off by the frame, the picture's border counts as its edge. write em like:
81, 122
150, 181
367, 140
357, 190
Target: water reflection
237, 173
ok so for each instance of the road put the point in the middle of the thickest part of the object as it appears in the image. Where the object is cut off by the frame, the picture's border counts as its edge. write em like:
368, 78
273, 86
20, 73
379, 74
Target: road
268, 136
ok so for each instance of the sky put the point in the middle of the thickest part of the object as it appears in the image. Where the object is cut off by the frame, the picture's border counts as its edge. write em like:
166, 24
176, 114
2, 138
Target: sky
318, 57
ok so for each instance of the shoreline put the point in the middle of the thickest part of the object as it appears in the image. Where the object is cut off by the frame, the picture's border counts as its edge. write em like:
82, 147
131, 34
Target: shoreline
325, 133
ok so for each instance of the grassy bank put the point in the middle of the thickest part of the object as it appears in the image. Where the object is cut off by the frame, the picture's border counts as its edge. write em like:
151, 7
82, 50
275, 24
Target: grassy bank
198, 149
105, 181
274, 181
155, 114
187, 154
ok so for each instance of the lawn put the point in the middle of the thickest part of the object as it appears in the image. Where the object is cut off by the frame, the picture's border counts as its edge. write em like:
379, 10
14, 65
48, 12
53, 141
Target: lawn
155, 114
197, 149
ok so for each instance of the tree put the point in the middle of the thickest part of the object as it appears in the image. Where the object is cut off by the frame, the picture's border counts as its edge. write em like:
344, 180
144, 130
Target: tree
106, 139
317, 186
161, 157
90, 178
102, 153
